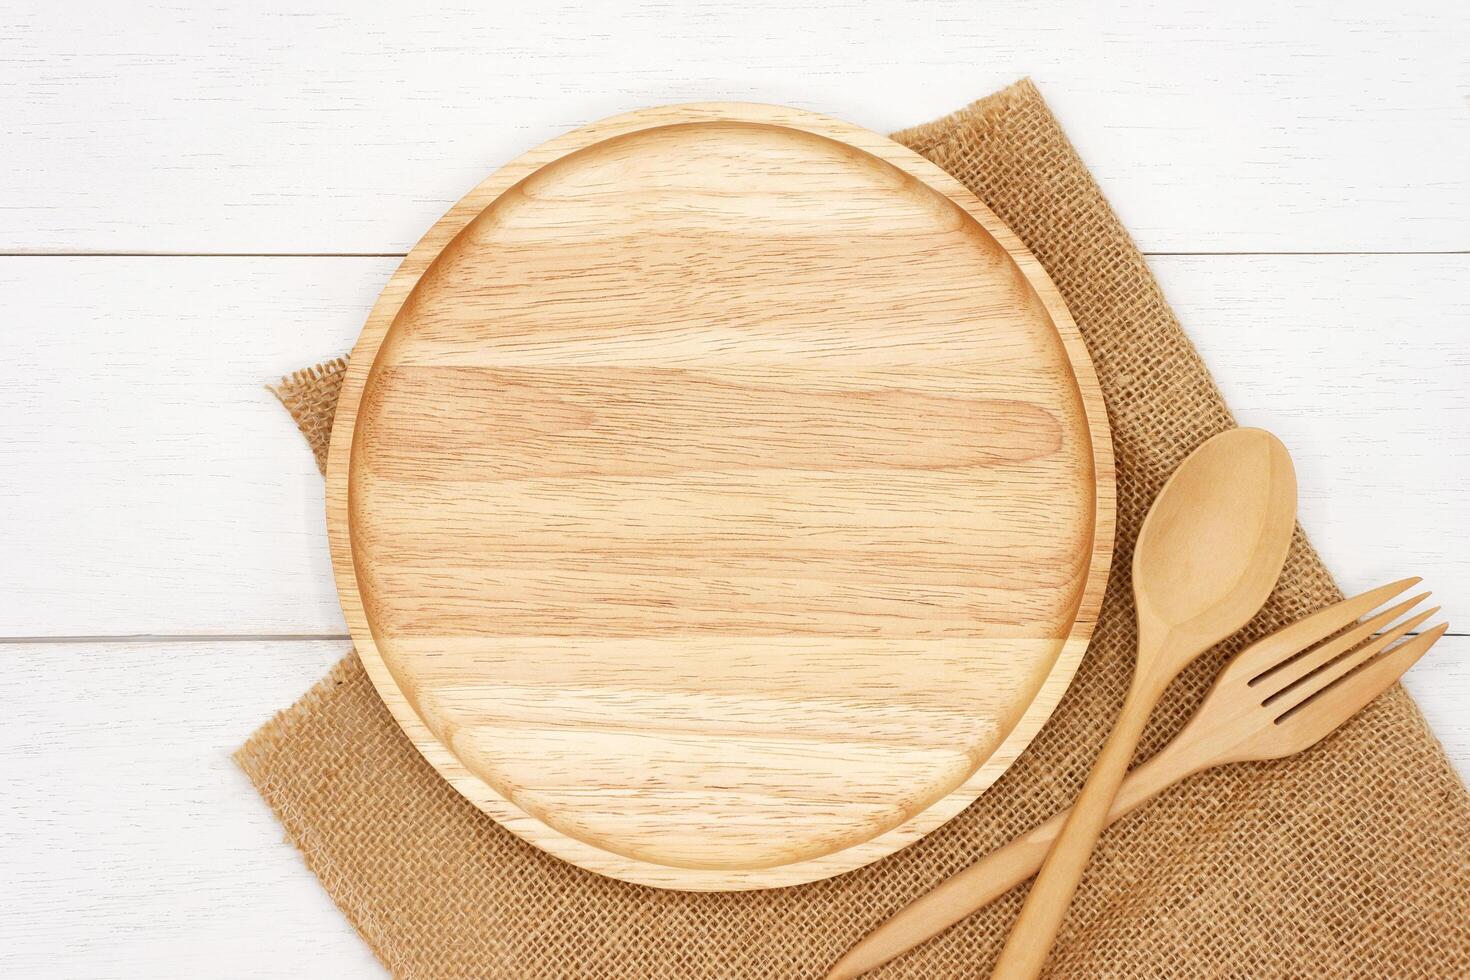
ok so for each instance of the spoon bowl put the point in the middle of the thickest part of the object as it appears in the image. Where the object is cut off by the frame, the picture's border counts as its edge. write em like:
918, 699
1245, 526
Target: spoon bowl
1211, 548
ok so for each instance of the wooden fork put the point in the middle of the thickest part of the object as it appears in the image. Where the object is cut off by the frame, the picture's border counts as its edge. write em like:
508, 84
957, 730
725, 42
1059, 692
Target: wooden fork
1276, 698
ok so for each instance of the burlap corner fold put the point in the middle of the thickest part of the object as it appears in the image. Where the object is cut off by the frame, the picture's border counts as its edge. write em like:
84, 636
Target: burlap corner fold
1352, 859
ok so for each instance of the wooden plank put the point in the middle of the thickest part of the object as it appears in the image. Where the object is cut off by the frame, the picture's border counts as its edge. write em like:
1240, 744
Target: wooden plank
265, 127
121, 374
1441, 685
1359, 364
118, 498
131, 845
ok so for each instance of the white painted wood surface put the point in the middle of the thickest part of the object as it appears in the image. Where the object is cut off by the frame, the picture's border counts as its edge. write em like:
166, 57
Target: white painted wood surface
129, 843
136, 386
270, 125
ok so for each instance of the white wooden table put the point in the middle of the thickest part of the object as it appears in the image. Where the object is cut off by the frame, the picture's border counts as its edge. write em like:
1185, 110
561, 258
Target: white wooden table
196, 198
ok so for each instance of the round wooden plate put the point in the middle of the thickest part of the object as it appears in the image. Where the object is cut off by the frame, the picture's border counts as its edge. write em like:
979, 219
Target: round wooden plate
720, 496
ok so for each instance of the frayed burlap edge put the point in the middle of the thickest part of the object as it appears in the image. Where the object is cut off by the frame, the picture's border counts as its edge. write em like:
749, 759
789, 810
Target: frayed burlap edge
310, 395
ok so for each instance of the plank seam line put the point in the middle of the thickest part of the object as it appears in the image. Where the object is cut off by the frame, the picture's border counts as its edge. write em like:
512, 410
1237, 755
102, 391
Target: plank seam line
134, 638
46, 254
177, 638
59, 254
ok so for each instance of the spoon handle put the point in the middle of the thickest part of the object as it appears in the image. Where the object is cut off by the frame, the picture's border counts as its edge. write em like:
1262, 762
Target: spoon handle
970, 890
1046, 906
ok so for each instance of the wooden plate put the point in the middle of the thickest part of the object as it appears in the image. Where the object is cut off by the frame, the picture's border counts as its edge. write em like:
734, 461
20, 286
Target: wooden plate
720, 497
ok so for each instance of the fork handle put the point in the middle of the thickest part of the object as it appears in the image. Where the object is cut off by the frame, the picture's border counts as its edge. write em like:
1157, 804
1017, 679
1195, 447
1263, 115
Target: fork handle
1003, 869
1046, 905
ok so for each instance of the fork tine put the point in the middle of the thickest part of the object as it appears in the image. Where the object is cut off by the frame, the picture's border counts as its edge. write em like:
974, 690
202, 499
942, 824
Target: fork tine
1340, 701
1286, 643
1288, 672
1337, 669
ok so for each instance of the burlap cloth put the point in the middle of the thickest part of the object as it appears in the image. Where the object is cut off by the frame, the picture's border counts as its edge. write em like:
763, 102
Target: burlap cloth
1352, 859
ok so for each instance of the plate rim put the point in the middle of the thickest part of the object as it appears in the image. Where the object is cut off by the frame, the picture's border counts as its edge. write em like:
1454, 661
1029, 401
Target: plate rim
363, 358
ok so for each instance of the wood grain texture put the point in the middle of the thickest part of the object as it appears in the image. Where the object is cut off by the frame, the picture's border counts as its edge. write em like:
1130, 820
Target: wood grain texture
720, 496
122, 371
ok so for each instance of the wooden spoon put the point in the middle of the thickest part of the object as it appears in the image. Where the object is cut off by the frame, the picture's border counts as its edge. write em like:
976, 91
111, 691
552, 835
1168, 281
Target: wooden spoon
1280, 696
1208, 555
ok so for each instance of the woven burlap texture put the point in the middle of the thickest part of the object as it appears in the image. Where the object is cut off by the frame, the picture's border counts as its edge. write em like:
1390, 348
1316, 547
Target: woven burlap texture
1352, 859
